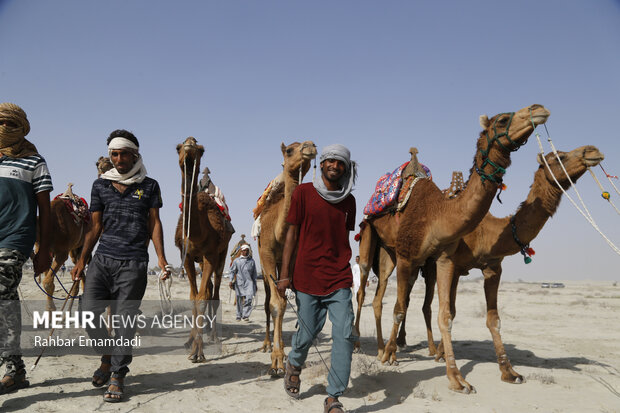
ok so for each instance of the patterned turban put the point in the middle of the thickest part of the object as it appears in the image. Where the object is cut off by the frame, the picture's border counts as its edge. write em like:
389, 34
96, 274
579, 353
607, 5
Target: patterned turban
12, 139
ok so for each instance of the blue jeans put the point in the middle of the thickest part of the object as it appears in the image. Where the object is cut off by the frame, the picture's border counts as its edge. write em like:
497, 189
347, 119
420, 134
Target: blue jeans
312, 310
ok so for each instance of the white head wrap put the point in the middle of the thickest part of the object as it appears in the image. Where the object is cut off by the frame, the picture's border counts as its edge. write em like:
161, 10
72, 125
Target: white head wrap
136, 174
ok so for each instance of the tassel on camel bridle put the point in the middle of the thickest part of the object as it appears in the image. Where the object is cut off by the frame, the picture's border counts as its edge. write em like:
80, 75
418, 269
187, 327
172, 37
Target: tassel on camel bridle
585, 214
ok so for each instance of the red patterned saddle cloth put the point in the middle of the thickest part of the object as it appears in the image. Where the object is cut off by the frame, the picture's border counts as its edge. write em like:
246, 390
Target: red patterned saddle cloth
77, 207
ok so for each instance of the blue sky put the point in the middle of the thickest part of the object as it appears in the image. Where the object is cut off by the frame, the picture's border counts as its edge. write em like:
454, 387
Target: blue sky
378, 77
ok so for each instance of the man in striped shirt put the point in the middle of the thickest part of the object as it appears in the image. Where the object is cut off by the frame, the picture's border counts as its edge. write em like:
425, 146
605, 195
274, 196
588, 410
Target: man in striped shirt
25, 186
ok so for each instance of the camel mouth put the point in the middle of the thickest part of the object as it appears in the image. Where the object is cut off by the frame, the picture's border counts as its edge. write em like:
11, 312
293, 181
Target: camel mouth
541, 118
539, 114
593, 161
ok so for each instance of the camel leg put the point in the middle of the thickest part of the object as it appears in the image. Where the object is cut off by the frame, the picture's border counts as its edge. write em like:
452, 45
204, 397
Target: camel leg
401, 340
492, 277
445, 276
385, 266
267, 341
440, 356
278, 306
48, 281
404, 271
214, 290
368, 244
268, 263
193, 296
429, 272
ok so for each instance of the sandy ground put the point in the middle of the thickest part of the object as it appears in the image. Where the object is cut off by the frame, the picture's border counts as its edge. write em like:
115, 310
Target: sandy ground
564, 341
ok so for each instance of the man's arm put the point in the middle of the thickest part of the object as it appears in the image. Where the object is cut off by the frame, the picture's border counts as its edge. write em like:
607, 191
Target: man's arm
157, 235
95, 227
290, 243
42, 260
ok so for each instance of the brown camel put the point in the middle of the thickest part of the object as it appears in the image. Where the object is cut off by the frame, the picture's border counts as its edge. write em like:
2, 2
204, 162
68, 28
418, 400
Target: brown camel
297, 159
202, 236
497, 238
377, 245
432, 225
70, 217
485, 252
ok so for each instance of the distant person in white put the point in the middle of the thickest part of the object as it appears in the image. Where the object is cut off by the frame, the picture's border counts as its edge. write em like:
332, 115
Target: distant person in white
356, 276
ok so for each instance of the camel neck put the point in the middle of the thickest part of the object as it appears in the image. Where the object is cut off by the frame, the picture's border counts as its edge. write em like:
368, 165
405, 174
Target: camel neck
541, 203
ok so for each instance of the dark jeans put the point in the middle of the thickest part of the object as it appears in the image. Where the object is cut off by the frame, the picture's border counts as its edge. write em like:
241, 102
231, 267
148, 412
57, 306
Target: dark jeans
120, 284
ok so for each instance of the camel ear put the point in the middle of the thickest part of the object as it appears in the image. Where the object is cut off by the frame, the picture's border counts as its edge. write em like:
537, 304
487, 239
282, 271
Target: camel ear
179, 147
539, 158
283, 148
484, 121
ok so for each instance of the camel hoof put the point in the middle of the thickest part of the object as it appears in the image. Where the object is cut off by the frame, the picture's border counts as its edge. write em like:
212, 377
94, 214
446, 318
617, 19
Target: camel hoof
357, 350
280, 372
518, 380
273, 373
465, 390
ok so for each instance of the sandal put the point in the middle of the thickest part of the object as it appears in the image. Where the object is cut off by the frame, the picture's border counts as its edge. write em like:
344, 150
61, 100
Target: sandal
335, 404
114, 381
292, 386
100, 377
18, 382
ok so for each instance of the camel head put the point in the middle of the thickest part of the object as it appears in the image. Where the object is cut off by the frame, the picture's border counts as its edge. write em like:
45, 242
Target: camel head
502, 134
298, 156
103, 165
576, 163
189, 160
189, 154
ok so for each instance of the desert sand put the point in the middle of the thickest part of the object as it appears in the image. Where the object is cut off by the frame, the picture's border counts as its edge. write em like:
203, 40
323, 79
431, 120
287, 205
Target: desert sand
564, 341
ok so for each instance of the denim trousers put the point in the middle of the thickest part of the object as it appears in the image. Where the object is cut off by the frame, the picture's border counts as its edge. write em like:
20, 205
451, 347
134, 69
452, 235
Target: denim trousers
312, 311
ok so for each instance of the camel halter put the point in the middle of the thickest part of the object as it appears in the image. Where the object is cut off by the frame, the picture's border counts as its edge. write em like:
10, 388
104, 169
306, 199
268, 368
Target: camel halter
604, 193
189, 208
585, 214
526, 251
485, 153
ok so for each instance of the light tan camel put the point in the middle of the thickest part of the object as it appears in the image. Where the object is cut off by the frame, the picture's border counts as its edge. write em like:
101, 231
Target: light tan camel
104, 164
297, 159
497, 238
431, 225
69, 221
202, 236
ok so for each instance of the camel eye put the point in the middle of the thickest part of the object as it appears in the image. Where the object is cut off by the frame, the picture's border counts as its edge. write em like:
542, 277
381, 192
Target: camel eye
289, 151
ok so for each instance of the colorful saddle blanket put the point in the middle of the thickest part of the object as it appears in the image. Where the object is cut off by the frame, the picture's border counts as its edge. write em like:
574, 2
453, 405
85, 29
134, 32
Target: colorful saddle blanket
386, 191
77, 207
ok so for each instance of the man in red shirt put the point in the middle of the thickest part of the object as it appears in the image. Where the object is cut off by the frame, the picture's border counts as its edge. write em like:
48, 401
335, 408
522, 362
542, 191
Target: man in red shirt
321, 215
